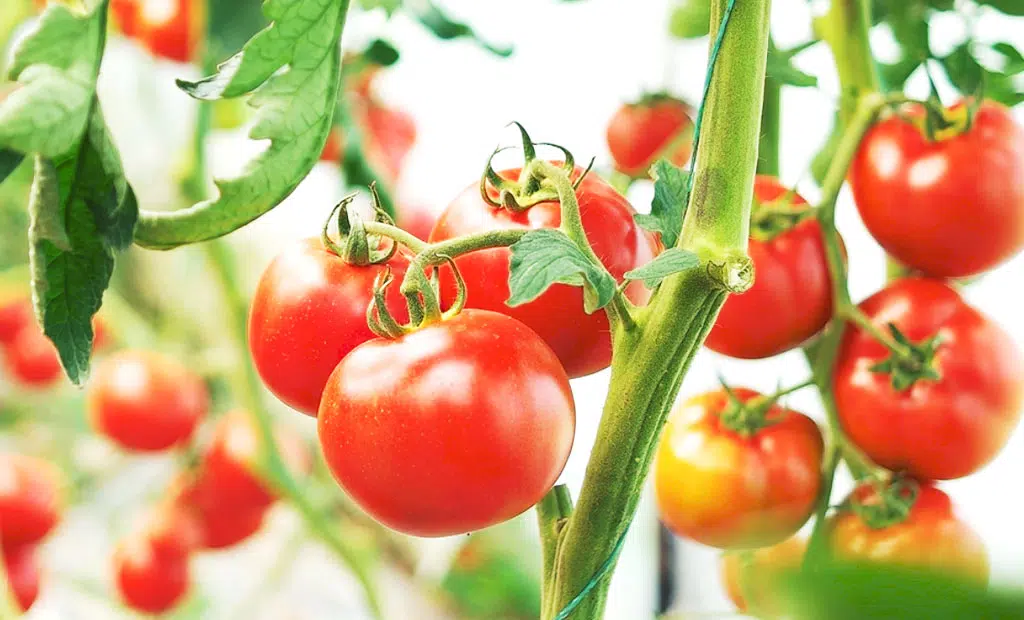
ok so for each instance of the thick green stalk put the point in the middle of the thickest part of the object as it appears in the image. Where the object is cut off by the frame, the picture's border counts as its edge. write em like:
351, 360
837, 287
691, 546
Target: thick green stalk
650, 360
845, 28
771, 110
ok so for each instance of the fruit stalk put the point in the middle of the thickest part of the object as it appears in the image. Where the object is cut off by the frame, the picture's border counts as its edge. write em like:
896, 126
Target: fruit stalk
650, 360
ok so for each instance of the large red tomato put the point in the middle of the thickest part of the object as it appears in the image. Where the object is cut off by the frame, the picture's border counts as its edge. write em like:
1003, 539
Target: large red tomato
30, 499
145, 401
455, 427
750, 581
151, 578
22, 574
931, 537
729, 487
937, 428
581, 341
643, 132
791, 299
308, 312
951, 208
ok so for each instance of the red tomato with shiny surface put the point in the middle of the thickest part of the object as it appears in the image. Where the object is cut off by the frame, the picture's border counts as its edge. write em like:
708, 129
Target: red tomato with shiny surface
641, 133
308, 312
791, 299
457, 426
935, 429
150, 578
949, 208
582, 341
145, 401
721, 488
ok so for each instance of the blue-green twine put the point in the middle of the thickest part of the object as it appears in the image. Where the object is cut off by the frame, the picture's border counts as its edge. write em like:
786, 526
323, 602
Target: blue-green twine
605, 567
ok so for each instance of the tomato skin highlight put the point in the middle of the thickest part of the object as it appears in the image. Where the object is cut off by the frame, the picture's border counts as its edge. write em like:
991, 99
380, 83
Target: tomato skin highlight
931, 537
639, 133
756, 581
460, 425
791, 299
308, 312
935, 430
150, 578
23, 577
31, 499
950, 208
581, 341
145, 401
724, 490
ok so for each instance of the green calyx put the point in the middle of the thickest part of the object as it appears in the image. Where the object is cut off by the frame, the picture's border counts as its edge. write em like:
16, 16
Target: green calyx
529, 189
909, 362
768, 220
423, 300
889, 503
356, 247
749, 417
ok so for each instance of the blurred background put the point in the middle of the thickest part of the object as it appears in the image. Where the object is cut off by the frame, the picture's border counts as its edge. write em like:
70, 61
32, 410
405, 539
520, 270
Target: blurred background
573, 64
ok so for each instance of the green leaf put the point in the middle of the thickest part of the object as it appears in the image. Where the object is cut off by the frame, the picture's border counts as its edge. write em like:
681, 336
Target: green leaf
389, 6
56, 64
690, 19
232, 23
854, 592
1014, 59
780, 68
973, 79
669, 204
672, 260
1010, 7
381, 53
82, 210
894, 76
444, 27
544, 257
9, 162
294, 68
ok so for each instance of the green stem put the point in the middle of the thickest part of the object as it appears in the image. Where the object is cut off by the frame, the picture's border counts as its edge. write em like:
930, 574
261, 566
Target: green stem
771, 110
845, 28
649, 362
395, 233
552, 513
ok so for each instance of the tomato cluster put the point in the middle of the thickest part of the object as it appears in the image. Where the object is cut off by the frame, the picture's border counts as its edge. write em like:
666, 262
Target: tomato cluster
925, 386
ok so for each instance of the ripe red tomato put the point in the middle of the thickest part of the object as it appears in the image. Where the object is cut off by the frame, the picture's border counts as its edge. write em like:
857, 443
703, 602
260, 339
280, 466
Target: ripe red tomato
30, 499
308, 312
640, 133
724, 489
750, 582
14, 316
935, 429
931, 537
150, 578
145, 401
457, 426
32, 360
950, 208
792, 280
204, 521
390, 135
22, 574
580, 340
169, 29
227, 469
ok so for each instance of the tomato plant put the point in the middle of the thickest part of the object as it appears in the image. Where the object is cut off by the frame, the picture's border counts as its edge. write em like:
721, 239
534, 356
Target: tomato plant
960, 195
733, 471
579, 339
792, 276
944, 402
434, 434
929, 536
657, 126
144, 401
308, 312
